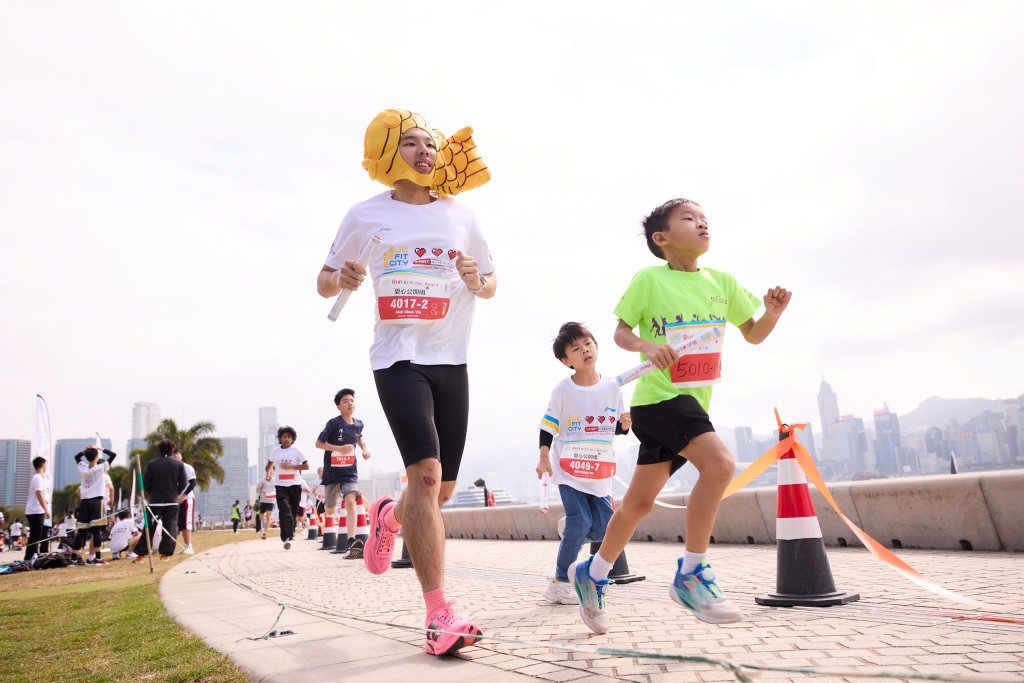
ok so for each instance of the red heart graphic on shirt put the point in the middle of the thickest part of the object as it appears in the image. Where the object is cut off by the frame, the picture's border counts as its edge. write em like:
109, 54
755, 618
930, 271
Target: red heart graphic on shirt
436, 251
590, 418
452, 253
600, 418
611, 419
420, 251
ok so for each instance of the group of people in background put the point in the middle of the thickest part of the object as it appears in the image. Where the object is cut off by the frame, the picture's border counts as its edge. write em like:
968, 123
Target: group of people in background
168, 481
437, 266
337, 480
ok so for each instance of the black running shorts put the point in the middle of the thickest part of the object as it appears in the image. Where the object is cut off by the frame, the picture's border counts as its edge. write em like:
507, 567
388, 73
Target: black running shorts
427, 407
666, 428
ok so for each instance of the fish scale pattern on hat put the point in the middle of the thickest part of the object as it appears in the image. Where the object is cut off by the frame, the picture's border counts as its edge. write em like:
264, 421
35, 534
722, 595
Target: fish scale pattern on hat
458, 166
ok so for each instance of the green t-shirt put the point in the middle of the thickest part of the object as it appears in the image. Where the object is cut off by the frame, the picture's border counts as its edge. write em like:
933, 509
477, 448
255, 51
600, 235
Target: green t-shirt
666, 305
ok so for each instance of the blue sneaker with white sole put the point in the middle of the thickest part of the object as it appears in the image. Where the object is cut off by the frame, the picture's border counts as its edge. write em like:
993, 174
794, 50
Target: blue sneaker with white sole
698, 592
590, 594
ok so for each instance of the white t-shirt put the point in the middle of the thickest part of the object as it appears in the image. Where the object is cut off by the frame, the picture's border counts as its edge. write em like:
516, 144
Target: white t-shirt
304, 498
107, 489
32, 505
121, 534
16, 529
423, 310
190, 474
292, 456
583, 421
93, 483
266, 491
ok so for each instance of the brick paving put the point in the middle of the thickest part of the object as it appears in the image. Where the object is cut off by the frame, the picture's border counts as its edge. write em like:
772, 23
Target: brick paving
350, 625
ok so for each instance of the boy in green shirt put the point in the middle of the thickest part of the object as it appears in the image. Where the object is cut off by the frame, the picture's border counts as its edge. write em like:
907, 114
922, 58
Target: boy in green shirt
670, 305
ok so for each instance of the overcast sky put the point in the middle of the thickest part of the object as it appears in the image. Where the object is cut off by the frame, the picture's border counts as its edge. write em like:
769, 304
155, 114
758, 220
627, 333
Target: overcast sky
172, 176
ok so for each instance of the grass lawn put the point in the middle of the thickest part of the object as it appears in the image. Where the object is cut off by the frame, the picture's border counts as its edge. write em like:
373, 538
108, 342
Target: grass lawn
102, 624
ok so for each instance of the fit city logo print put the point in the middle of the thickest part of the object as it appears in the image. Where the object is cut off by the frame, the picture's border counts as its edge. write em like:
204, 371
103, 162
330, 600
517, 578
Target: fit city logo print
576, 422
659, 329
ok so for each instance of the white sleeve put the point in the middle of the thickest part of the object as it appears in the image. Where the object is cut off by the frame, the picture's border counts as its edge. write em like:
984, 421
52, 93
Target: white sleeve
551, 422
348, 242
478, 248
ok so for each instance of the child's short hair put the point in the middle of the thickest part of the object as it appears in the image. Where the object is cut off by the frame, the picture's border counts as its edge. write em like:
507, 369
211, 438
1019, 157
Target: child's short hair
38, 462
342, 394
655, 222
285, 430
166, 447
567, 334
91, 453
123, 514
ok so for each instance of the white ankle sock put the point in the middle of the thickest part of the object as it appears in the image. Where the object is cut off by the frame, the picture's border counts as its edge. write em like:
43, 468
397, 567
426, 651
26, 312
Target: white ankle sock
690, 561
599, 568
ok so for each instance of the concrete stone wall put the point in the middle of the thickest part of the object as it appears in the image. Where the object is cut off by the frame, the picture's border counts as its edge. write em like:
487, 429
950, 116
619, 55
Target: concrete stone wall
974, 511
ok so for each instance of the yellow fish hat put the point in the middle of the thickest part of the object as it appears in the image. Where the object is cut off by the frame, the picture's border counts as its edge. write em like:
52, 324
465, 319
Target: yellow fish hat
458, 166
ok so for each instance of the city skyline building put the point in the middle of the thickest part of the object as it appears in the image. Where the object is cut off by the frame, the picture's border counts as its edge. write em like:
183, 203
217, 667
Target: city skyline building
64, 468
268, 434
15, 471
888, 454
134, 445
828, 407
214, 504
145, 419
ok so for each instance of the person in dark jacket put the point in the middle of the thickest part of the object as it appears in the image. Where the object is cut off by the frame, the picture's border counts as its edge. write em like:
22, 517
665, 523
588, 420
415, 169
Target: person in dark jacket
163, 480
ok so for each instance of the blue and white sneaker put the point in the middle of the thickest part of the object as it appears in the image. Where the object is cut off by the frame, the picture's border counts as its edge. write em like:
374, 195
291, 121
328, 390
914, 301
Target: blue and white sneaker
698, 592
590, 594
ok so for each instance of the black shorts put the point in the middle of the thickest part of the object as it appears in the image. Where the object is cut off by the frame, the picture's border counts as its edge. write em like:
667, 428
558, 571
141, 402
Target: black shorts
427, 407
665, 429
90, 510
266, 507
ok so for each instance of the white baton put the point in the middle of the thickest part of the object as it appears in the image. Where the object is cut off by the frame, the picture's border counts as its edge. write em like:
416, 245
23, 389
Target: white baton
645, 367
363, 260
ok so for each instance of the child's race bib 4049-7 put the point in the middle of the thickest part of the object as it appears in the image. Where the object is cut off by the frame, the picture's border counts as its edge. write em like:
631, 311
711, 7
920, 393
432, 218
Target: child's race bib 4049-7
591, 459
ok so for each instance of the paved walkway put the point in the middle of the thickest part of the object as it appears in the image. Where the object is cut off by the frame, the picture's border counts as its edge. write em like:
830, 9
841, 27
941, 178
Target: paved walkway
352, 626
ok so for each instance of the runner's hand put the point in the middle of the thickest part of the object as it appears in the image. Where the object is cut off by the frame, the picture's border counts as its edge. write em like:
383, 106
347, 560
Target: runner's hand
350, 276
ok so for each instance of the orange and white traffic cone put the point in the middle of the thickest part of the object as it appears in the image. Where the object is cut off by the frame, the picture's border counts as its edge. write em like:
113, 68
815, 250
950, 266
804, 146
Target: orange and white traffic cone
803, 574
341, 546
330, 537
313, 526
362, 520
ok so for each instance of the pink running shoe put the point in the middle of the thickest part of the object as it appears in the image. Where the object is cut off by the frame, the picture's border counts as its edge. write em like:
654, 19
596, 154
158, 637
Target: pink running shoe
447, 632
380, 544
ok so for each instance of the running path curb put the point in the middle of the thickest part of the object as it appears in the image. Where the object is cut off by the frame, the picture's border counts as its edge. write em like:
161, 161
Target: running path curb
227, 617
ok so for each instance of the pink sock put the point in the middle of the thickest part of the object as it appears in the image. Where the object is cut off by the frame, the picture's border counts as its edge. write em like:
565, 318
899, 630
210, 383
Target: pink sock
390, 521
435, 600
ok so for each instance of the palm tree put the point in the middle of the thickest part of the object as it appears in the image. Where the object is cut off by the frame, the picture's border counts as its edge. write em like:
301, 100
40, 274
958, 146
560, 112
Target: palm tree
198, 447
122, 480
65, 500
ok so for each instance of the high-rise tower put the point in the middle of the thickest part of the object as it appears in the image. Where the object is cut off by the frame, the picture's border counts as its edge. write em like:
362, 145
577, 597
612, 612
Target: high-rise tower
268, 434
828, 408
